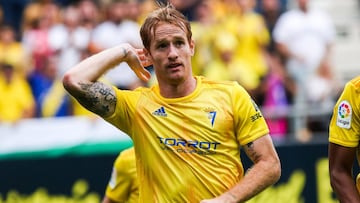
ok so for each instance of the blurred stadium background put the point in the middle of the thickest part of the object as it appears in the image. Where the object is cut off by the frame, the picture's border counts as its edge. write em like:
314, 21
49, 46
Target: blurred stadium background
69, 158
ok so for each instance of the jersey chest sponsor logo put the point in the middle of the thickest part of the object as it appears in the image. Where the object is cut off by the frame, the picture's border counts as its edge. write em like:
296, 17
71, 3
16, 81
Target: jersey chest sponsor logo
344, 115
188, 146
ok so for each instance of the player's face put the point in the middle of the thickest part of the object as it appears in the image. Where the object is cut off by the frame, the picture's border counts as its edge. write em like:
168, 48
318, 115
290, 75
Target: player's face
171, 53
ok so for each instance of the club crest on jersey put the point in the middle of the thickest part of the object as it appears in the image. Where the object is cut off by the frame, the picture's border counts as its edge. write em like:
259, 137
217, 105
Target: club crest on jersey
211, 115
344, 115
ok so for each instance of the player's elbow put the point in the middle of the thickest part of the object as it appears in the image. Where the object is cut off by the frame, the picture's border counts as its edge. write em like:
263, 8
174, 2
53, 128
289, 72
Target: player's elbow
275, 171
272, 168
70, 83
333, 182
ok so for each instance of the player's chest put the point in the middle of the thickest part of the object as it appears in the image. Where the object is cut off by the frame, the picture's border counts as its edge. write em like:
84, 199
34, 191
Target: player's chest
203, 113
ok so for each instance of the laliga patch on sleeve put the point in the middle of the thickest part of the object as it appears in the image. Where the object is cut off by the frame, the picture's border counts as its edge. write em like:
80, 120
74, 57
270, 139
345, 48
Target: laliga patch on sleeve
344, 115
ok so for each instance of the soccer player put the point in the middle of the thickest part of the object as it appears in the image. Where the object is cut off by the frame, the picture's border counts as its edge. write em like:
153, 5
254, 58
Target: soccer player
187, 130
123, 185
344, 137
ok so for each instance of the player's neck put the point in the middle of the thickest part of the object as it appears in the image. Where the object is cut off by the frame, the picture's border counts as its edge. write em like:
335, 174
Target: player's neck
178, 90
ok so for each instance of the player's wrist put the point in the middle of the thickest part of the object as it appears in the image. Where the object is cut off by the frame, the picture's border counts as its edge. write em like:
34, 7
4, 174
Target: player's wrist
230, 198
128, 53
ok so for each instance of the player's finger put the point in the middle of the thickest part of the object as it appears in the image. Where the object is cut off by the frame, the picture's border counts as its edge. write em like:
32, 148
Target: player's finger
141, 72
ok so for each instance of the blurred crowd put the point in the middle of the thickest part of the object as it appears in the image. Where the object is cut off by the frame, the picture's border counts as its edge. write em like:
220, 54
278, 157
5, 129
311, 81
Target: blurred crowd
281, 55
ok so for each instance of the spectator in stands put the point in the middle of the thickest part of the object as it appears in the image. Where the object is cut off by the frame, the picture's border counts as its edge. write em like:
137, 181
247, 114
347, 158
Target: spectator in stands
117, 29
38, 9
16, 100
123, 185
12, 14
187, 7
304, 37
51, 98
275, 103
39, 16
253, 37
322, 90
271, 11
277, 88
187, 130
90, 14
1, 15
12, 52
344, 139
204, 31
146, 6
224, 64
68, 39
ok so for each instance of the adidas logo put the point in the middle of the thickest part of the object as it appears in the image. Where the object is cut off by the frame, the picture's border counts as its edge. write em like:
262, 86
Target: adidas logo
160, 112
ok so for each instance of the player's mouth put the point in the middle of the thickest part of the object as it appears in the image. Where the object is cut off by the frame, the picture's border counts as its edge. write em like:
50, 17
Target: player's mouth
174, 65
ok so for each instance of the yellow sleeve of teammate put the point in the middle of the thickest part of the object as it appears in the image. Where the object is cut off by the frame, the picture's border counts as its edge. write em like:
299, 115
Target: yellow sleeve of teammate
344, 126
123, 185
358, 182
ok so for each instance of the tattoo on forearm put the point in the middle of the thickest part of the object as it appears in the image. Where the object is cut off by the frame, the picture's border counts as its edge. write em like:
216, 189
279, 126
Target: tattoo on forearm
249, 149
98, 98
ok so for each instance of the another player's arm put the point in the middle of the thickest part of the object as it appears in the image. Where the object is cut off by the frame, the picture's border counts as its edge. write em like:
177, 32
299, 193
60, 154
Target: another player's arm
82, 80
108, 200
341, 160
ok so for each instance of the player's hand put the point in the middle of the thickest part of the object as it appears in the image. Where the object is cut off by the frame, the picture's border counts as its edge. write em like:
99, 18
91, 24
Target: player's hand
137, 60
145, 61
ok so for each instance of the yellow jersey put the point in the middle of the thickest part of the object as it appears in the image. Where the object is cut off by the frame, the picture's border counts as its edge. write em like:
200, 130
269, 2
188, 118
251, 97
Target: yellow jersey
344, 126
123, 185
16, 98
188, 149
253, 37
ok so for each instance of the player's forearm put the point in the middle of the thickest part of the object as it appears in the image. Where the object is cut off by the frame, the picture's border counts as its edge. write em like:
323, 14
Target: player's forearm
108, 200
344, 188
88, 71
92, 68
262, 175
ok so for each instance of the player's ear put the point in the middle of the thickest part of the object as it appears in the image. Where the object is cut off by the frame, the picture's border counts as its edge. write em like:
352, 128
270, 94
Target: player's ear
192, 47
147, 54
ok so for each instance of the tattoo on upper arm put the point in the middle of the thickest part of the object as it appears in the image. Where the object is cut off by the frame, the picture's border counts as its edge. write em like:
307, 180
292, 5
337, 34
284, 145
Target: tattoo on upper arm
250, 151
98, 98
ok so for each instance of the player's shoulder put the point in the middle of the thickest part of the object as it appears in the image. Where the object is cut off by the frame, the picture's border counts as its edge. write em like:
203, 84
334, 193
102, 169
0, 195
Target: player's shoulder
216, 83
141, 90
354, 83
127, 155
228, 86
128, 152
